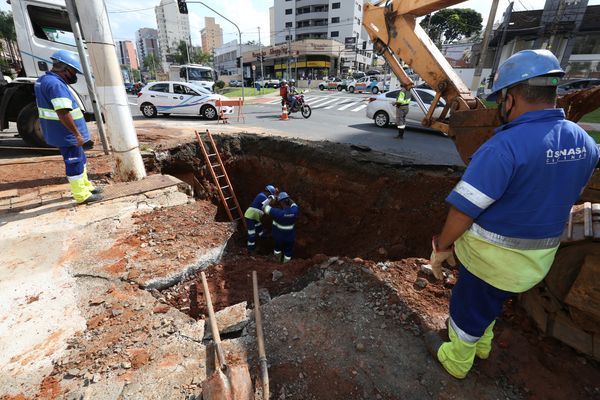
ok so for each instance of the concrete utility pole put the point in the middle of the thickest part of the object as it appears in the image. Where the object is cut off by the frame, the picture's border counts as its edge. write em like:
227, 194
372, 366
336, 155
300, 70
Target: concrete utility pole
505, 23
239, 34
89, 79
262, 69
484, 45
289, 51
93, 19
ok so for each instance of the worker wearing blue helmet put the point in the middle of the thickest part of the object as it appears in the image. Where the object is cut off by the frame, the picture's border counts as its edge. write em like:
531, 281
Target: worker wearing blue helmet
509, 210
284, 226
254, 215
63, 123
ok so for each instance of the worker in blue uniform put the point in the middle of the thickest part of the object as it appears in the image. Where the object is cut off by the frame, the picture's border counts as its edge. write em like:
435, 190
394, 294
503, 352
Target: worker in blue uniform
63, 123
254, 214
509, 209
284, 226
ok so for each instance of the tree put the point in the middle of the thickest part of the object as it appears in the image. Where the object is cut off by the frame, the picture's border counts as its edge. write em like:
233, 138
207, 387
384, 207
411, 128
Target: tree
150, 63
202, 58
7, 32
452, 24
181, 55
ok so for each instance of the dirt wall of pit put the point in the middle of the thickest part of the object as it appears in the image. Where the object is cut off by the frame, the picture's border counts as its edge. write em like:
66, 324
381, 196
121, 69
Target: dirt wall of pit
359, 204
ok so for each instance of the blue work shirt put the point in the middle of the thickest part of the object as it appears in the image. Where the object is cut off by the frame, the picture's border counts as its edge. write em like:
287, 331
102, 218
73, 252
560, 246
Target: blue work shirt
255, 211
522, 182
52, 94
284, 221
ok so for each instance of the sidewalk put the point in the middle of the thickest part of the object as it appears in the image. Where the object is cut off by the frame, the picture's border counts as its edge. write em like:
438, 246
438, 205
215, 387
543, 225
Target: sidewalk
590, 126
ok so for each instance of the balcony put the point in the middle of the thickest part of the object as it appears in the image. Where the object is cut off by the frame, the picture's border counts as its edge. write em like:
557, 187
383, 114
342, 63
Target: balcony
303, 3
312, 15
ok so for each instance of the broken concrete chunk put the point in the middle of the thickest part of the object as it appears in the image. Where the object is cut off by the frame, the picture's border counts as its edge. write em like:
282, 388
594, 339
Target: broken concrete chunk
230, 319
194, 330
421, 283
161, 309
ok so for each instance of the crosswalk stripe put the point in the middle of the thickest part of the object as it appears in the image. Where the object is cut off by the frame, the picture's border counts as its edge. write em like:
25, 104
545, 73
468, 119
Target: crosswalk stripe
325, 102
316, 103
344, 101
348, 105
274, 101
359, 108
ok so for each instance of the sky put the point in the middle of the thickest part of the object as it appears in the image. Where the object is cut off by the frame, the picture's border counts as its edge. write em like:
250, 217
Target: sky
128, 16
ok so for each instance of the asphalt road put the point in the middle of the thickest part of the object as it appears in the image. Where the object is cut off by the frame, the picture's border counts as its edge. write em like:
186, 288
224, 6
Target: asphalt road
341, 117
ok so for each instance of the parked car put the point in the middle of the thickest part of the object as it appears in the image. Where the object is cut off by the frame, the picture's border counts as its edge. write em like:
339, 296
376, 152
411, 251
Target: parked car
333, 84
235, 83
580, 84
367, 84
179, 98
382, 111
271, 83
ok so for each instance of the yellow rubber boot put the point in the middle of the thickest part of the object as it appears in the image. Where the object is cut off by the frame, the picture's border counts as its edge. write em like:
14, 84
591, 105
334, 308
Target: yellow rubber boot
86, 181
79, 190
456, 356
484, 344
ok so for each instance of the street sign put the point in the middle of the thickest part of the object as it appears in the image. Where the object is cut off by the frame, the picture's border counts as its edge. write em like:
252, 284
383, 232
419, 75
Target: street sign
350, 40
349, 47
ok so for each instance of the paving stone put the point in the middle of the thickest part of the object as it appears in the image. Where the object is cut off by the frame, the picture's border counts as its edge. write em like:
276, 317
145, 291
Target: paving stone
230, 319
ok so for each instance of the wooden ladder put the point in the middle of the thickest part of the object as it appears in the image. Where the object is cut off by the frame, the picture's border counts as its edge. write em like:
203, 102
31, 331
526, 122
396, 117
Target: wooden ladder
221, 179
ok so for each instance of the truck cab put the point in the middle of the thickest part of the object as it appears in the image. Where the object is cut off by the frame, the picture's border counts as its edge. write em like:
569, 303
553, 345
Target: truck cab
42, 28
200, 75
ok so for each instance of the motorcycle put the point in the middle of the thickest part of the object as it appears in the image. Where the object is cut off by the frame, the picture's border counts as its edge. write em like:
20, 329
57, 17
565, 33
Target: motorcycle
299, 106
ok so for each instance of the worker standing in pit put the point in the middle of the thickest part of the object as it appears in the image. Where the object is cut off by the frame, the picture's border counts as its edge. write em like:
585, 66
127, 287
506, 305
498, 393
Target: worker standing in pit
254, 214
402, 102
63, 123
284, 231
510, 208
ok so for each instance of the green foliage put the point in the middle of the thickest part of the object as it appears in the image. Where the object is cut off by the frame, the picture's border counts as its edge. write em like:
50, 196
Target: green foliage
219, 84
452, 24
7, 26
150, 63
181, 55
202, 58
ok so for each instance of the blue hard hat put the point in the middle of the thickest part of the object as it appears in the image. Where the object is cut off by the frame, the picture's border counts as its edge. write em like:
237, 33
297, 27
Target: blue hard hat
524, 65
282, 196
69, 58
270, 189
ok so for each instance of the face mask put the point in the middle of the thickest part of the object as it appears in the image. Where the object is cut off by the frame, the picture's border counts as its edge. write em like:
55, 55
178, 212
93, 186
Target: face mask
71, 79
503, 113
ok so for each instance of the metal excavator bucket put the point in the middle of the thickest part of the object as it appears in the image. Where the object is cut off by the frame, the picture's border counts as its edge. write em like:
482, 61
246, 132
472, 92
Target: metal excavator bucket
470, 129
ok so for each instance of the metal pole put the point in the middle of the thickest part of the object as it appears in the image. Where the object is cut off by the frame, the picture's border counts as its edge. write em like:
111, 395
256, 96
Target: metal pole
239, 34
356, 54
95, 25
484, 45
506, 22
289, 49
262, 70
89, 79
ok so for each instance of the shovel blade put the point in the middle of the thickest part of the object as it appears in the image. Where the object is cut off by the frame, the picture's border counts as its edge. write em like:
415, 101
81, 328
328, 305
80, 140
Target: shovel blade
236, 384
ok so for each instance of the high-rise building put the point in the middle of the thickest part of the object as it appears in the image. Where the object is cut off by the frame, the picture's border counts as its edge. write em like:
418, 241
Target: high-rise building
173, 28
327, 19
146, 43
212, 35
271, 25
126, 54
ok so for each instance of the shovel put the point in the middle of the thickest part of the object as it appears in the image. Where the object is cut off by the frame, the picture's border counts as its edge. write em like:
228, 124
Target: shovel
227, 382
264, 373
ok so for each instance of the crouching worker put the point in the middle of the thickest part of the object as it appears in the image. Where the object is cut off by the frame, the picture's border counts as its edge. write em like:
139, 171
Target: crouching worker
254, 214
284, 220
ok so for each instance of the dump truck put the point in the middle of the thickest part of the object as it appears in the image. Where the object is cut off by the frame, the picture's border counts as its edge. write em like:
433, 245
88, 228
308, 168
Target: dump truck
566, 305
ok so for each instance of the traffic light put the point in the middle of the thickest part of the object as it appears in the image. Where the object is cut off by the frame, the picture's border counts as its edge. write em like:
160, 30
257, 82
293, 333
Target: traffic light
182, 6
258, 58
238, 62
364, 45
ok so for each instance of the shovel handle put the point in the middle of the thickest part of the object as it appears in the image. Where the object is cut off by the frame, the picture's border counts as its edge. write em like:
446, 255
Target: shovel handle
213, 322
260, 338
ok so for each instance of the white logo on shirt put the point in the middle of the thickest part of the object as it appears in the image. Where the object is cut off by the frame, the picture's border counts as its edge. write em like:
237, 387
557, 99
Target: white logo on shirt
562, 155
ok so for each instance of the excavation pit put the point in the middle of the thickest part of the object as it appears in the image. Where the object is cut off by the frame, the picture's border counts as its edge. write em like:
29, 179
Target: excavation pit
345, 316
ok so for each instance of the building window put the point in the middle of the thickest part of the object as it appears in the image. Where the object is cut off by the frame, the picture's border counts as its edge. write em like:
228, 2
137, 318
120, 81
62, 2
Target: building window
335, 5
288, 11
335, 20
335, 34
288, 37
288, 24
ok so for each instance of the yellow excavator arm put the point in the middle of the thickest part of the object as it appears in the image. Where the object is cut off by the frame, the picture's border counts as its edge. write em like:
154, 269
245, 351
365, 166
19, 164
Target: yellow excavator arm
396, 35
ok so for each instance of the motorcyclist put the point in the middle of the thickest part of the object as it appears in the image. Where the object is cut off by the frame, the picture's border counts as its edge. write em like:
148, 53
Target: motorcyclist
291, 94
287, 94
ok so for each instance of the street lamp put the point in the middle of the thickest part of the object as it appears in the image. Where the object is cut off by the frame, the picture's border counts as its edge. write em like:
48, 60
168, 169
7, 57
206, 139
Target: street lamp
239, 34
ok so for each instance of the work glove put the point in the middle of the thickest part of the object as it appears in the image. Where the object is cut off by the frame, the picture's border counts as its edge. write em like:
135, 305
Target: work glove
438, 257
268, 201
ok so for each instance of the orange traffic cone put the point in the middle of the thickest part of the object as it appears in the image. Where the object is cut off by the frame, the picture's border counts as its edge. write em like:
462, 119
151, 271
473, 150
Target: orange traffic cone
223, 117
284, 113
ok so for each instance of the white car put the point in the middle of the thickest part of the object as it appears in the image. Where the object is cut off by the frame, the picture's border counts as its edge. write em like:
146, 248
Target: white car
382, 111
179, 98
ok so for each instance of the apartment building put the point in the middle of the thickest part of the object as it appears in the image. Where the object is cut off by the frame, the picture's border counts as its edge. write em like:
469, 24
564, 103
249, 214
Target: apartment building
173, 28
212, 35
146, 43
126, 54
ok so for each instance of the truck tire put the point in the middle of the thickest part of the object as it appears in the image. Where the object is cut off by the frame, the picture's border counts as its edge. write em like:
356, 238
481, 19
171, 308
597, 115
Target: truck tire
28, 125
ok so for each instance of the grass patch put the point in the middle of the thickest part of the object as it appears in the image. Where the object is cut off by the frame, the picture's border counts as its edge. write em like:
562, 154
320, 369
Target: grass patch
595, 135
249, 91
